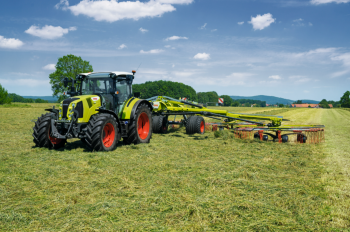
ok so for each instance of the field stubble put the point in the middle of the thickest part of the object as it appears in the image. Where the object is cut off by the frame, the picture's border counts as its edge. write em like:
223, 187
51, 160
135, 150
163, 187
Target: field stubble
177, 182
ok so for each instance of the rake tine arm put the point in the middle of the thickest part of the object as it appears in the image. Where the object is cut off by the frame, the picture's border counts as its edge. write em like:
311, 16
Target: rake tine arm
238, 119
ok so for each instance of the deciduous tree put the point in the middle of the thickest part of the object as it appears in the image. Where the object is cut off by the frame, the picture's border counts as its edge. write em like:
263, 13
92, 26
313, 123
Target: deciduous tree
345, 100
227, 100
4, 97
67, 66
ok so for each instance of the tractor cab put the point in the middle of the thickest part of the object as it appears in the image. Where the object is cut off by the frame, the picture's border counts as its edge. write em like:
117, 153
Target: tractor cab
113, 88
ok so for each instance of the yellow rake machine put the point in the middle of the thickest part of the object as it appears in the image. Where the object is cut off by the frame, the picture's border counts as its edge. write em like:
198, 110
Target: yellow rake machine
244, 126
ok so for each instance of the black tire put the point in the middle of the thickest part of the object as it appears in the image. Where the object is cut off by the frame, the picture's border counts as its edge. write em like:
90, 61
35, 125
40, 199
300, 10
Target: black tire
102, 133
159, 124
41, 133
142, 115
195, 124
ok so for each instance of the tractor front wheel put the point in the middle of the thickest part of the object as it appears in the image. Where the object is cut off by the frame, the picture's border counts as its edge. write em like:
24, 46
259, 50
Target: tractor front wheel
195, 124
140, 129
42, 133
102, 133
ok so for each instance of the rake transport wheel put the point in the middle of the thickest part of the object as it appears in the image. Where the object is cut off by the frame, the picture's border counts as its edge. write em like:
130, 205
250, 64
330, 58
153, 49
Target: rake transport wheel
42, 131
195, 124
140, 128
159, 124
102, 133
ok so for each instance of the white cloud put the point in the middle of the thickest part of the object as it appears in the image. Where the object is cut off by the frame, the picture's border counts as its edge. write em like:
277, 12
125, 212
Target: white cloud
234, 79
299, 79
143, 30
345, 58
310, 24
318, 52
154, 51
50, 67
298, 20
175, 38
175, 1
122, 46
173, 66
184, 74
49, 32
214, 30
318, 2
240, 23
340, 73
64, 4
203, 27
261, 21
202, 56
10, 43
112, 10
167, 46
275, 77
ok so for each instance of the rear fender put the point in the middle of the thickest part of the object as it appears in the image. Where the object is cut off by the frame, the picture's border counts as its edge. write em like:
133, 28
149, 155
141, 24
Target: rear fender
136, 105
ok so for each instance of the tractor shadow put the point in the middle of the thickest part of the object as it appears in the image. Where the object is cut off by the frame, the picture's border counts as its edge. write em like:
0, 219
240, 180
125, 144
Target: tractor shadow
79, 144
175, 135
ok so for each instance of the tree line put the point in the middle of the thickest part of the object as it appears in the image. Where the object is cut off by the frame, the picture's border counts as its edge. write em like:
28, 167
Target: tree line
165, 88
7, 98
17, 98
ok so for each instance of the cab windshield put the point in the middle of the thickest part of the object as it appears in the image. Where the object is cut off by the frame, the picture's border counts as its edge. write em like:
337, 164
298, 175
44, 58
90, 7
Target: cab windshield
97, 85
101, 83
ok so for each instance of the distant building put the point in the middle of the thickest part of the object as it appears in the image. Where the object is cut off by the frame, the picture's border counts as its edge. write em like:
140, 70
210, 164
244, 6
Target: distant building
306, 105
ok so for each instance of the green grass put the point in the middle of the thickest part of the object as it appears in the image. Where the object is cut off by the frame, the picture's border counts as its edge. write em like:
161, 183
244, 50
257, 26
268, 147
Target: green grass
175, 183
15, 105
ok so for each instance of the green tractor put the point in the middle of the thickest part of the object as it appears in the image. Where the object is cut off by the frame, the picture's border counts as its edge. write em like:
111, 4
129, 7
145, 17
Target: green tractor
101, 111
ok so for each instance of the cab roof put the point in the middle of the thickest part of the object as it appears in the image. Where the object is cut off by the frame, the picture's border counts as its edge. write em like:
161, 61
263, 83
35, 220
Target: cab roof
117, 73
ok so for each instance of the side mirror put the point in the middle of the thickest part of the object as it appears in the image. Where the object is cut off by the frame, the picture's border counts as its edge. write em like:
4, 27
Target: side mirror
137, 94
65, 82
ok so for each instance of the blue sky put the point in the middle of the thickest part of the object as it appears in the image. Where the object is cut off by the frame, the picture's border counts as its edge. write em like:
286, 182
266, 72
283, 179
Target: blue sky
291, 49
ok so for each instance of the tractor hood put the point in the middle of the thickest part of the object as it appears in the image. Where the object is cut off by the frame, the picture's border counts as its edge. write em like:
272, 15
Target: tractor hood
84, 105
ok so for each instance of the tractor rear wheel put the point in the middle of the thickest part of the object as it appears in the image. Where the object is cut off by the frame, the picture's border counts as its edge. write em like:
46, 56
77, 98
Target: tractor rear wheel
42, 133
159, 124
195, 124
102, 133
140, 128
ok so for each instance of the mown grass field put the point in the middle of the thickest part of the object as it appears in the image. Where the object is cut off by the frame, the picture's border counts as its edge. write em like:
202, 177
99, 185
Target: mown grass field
177, 182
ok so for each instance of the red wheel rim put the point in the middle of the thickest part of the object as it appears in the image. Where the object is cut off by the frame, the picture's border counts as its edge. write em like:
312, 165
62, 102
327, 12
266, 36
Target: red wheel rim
202, 127
108, 135
143, 126
53, 140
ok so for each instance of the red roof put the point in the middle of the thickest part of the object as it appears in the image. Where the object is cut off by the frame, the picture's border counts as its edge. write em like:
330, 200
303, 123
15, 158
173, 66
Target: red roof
306, 105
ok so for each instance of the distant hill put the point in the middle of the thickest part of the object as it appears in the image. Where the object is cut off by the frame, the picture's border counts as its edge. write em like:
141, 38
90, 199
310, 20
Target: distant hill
273, 100
51, 99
